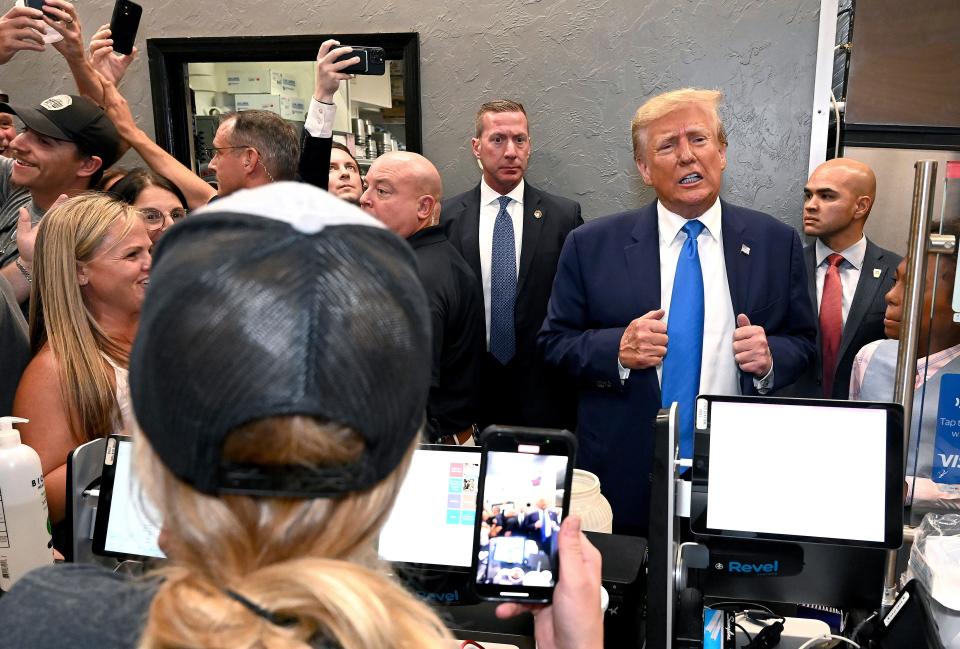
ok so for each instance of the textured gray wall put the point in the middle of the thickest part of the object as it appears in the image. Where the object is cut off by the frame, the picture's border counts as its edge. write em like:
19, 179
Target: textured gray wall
581, 67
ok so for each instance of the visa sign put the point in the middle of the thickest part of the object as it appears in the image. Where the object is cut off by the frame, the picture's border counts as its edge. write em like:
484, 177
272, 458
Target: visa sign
739, 567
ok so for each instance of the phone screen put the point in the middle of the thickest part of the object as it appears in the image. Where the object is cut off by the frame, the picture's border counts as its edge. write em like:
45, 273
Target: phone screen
525, 493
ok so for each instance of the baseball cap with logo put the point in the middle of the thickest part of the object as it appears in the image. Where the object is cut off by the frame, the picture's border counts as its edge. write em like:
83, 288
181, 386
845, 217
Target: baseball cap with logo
74, 119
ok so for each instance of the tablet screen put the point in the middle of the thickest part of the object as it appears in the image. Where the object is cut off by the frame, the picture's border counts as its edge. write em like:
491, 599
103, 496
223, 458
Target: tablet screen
785, 470
133, 523
432, 520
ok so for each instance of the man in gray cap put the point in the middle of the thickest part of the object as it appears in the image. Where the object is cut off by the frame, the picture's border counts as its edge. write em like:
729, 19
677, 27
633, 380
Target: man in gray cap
64, 148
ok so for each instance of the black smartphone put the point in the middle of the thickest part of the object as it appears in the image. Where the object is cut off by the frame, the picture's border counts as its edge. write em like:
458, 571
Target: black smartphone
124, 25
35, 4
524, 494
372, 60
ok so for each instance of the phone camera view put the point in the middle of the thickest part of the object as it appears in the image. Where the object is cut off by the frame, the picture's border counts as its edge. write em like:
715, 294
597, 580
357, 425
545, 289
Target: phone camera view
522, 512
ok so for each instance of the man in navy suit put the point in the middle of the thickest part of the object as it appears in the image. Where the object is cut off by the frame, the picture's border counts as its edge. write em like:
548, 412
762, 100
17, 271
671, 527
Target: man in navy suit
516, 387
743, 322
847, 294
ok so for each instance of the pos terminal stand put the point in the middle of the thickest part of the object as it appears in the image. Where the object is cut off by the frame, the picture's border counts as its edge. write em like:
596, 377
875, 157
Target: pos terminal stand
790, 501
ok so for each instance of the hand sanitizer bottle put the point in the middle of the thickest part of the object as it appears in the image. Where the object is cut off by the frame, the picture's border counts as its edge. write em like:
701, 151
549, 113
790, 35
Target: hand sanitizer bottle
25, 539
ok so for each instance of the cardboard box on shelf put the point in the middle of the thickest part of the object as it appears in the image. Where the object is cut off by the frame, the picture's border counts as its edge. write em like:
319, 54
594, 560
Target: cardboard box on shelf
258, 102
293, 108
289, 87
262, 82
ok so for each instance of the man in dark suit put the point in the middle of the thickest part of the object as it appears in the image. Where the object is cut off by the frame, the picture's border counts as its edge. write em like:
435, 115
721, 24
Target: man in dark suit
543, 527
511, 234
711, 295
848, 274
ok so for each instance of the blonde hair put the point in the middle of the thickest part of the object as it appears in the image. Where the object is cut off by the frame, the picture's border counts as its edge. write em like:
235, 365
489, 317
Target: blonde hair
309, 561
664, 104
70, 233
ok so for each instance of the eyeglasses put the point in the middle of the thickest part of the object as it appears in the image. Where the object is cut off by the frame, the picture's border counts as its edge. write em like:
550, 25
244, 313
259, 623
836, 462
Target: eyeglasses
153, 218
213, 151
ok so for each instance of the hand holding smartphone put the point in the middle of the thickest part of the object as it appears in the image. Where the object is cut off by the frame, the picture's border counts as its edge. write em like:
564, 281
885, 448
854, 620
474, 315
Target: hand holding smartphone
124, 25
525, 476
372, 60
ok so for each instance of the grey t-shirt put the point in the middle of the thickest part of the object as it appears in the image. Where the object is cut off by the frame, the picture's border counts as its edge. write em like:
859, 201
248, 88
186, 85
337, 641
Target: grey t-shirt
12, 198
14, 343
77, 606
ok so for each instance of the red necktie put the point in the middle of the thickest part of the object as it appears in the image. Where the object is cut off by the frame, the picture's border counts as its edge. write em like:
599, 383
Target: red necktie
831, 321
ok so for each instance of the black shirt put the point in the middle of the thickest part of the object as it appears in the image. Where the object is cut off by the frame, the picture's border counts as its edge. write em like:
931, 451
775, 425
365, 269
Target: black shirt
457, 316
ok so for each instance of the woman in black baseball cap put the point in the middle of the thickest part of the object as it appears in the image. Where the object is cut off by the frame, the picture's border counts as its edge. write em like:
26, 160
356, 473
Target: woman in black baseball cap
279, 378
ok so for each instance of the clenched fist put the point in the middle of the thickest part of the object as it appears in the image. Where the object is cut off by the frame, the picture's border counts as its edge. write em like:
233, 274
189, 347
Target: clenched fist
750, 348
644, 343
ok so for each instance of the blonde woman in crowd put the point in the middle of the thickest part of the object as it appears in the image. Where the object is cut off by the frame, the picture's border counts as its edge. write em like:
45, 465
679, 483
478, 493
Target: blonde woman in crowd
90, 272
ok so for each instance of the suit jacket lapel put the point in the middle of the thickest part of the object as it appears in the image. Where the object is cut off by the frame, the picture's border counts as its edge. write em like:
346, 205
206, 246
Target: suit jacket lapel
532, 227
470, 230
866, 292
736, 254
810, 258
643, 258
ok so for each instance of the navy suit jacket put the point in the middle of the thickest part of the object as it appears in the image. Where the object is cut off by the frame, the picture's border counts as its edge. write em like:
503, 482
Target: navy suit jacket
863, 325
608, 275
538, 395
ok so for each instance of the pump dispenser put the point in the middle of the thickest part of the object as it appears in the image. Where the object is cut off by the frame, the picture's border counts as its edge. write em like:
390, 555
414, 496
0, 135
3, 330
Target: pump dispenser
25, 539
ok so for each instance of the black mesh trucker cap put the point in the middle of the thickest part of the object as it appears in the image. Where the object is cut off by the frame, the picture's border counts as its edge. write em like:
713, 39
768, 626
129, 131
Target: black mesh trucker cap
281, 300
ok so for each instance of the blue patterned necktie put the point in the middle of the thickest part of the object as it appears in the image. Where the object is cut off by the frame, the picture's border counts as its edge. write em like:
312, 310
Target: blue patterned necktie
503, 286
680, 380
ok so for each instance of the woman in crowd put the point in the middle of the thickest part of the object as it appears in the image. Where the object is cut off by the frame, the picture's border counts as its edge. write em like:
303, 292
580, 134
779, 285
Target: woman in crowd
160, 201
280, 378
90, 272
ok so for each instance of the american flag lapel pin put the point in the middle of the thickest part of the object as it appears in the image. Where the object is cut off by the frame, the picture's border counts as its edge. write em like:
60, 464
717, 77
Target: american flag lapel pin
745, 250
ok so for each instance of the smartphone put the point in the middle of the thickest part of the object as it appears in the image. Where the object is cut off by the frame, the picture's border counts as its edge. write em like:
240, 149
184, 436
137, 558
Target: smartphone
372, 60
524, 494
124, 25
35, 4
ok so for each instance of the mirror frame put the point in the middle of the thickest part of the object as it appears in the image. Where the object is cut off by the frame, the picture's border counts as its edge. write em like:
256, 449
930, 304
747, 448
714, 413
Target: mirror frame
168, 58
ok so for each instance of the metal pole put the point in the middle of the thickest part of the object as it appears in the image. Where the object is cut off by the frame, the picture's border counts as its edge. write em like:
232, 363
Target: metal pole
905, 377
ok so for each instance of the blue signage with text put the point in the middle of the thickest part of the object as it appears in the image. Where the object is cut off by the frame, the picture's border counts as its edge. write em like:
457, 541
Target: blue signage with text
946, 449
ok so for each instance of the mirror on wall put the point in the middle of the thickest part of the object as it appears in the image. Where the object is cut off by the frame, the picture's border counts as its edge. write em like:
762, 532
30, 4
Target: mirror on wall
194, 81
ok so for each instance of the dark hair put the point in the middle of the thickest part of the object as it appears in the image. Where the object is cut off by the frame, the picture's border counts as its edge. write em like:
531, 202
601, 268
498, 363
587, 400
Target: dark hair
129, 187
498, 106
273, 138
343, 147
114, 174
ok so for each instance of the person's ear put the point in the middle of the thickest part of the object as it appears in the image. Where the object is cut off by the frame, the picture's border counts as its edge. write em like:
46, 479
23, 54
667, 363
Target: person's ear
475, 145
644, 171
425, 206
723, 157
863, 205
89, 165
249, 158
82, 277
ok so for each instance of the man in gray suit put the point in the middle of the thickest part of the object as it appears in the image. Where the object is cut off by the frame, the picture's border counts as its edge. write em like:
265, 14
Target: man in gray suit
848, 275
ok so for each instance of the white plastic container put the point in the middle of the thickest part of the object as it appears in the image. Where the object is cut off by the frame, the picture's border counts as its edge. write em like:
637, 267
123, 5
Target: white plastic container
25, 540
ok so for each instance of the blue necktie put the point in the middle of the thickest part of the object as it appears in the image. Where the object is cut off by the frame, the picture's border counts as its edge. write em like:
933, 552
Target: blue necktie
503, 286
680, 381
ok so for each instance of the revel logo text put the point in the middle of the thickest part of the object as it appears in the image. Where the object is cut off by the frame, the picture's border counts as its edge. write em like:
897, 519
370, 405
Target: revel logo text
753, 568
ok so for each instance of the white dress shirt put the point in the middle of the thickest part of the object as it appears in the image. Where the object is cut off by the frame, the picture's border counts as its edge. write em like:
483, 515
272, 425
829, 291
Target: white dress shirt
489, 208
320, 116
719, 372
849, 269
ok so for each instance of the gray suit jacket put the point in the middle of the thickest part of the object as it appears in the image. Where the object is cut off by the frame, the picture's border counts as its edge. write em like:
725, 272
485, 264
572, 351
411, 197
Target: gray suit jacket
864, 322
